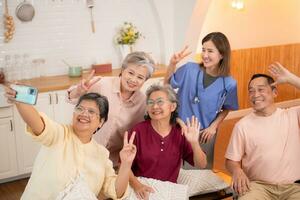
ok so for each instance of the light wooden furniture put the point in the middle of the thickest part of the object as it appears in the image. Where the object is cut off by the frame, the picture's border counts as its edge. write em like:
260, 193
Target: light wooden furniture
63, 82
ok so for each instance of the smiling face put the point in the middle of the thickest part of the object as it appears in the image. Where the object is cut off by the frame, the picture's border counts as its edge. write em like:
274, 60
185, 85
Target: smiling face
159, 107
211, 56
133, 77
261, 95
86, 118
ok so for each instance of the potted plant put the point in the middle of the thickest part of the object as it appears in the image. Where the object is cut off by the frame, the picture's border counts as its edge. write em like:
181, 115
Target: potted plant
127, 37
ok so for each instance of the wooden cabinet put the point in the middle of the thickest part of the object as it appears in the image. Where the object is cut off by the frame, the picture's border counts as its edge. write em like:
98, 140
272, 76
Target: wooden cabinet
63, 111
54, 105
8, 155
26, 147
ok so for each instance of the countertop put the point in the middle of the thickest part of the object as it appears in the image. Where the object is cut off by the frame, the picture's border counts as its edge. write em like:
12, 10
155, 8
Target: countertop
62, 82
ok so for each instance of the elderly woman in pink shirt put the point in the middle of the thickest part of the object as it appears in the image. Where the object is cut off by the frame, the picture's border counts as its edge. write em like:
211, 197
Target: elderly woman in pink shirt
161, 143
127, 102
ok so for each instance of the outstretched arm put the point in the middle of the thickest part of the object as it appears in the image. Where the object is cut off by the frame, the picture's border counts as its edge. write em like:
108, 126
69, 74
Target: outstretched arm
282, 75
175, 59
240, 181
28, 113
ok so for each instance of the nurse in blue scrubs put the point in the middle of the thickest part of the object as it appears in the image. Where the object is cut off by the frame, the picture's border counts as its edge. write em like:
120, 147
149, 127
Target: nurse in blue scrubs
205, 90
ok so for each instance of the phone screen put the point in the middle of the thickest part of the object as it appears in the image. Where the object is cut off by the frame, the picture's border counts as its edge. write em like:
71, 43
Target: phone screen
25, 94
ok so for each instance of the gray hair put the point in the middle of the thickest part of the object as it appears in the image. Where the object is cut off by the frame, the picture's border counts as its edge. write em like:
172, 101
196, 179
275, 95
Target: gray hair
171, 95
139, 58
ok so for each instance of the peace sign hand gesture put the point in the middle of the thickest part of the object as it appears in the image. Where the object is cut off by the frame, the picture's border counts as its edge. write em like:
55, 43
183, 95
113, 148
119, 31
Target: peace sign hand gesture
86, 84
128, 151
177, 57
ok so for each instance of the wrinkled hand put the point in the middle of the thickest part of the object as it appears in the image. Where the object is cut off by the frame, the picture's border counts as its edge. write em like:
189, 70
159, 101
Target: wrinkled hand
128, 151
207, 134
240, 182
192, 131
177, 57
143, 191
86, 84
281, 74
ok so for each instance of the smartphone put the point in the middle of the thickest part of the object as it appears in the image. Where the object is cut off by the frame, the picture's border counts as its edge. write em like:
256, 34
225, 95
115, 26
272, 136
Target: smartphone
25, 94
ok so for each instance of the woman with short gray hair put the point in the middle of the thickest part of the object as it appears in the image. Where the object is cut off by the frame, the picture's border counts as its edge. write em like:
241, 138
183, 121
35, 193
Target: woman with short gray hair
139, 58
171, 96
161, 143
124, 95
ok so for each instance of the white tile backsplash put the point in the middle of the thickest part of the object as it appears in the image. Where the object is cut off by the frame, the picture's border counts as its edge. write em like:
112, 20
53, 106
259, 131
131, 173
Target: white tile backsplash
61, 29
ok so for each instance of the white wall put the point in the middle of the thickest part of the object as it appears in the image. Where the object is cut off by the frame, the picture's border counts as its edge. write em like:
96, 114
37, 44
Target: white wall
195, 25
61, 30
260, 23
183, 11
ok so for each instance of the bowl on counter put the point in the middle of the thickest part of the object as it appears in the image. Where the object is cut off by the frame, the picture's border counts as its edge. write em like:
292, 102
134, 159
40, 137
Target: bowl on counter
75, 71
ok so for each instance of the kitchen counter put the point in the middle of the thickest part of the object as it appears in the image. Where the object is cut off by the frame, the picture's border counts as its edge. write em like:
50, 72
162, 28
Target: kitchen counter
62, 82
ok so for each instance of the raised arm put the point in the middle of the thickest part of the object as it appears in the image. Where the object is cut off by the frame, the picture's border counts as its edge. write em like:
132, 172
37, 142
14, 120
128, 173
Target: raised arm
28, 113
175, 59
191, 133
282, 75
83, 86
240, 181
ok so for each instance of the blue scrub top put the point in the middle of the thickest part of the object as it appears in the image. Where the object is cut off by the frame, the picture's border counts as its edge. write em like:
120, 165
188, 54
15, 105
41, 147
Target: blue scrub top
210, 98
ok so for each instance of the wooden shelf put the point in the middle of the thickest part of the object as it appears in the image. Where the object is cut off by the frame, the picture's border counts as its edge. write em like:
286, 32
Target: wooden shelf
62, 82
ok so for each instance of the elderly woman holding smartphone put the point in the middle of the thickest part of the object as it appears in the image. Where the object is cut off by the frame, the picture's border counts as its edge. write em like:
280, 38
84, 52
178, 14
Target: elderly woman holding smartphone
69, 150
161, 143
123, 93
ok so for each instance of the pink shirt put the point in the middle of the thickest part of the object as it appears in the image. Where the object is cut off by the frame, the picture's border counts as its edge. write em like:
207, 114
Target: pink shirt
121, 117
160, 157
269, 147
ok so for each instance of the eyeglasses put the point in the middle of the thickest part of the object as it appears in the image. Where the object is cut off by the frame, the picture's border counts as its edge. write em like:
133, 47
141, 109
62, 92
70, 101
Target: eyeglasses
91, 112
160, 102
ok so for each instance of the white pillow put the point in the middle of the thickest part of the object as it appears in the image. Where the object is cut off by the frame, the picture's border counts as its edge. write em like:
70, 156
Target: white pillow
200, 181
78, 189
164, 190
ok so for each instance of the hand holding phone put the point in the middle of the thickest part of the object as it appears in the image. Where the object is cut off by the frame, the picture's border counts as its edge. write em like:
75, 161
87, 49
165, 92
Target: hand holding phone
25, 94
